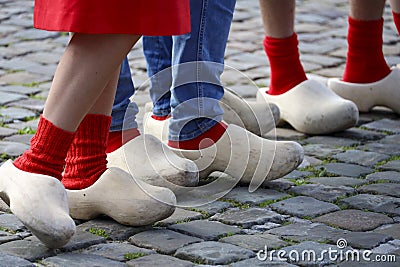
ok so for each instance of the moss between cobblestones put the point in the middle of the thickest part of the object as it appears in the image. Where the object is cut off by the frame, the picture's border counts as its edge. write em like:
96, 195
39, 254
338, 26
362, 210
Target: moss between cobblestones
204, 213
26, 130
236, 204
99, 232
37, 97
8, 230
271, 201
132, 256
383, 162
5, 156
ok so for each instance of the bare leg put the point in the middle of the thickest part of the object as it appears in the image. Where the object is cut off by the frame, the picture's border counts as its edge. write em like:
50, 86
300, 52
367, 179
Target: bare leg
367, 9
395, 4
278, 17
86, 66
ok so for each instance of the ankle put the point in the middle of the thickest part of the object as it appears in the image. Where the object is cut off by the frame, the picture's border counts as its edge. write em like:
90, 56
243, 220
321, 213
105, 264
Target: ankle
119, 138
202, 141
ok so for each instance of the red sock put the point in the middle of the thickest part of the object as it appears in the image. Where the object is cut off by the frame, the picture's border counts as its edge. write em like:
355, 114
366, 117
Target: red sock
365, 60
160, 118
48, 150
120, 138
202, 141
396, 18
87, 159
284, 59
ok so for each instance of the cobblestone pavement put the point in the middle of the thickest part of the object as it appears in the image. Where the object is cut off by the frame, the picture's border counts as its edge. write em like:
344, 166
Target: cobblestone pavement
348, 186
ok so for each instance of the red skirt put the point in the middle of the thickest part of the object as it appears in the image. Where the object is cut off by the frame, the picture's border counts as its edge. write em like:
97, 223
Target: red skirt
142, 17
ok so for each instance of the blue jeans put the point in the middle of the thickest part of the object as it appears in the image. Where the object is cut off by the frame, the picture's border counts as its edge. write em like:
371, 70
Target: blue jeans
125, 89
190, 92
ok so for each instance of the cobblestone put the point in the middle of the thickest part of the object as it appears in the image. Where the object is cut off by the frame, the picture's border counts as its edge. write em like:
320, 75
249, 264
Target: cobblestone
348, 179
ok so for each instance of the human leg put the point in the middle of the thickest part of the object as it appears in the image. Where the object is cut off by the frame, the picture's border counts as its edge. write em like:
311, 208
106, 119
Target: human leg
196, 114
289, 88
367, 80
145, 157
40, 202
395, 4
123, 125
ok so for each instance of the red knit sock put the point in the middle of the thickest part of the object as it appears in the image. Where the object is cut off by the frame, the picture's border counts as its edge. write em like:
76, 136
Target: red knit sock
48, 150
120, 138
202, 141
284, 59
160, 118
365, 61
87, 159
396, 18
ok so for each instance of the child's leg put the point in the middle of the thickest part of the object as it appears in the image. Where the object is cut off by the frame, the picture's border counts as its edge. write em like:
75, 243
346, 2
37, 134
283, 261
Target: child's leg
38, 200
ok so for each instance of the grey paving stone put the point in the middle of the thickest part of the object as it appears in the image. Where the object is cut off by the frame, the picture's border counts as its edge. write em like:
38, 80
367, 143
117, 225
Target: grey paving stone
242, 195
20, 125
29, 250
22, 78
7, 237
215, 207
392, 230
254, 262
19, 138
391, 166
248, 217
159, 260
365, 240
7, 260
82, 239
6, 98
320, 150
10, 221
278, 184
36, 105
181, 215
78, 260
12, 149
384, 125
376, 203
354, 220
255, 242
360, 134
391, 139
116, 251
4, 132
285, 134
7, 114
368, 159
381, 189
344, 169
18, 89
296, 174
338, 181
332, 141
323, 192
308, 231
114, 230
303, 207
211, 252
389, 149
164, 241
387, 176
34, 34
206, 230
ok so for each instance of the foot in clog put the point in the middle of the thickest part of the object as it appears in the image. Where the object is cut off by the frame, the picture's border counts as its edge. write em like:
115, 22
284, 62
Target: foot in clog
258, 117
310, 107
245, 156
385, 92
39, 202
148, 159
118, 195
